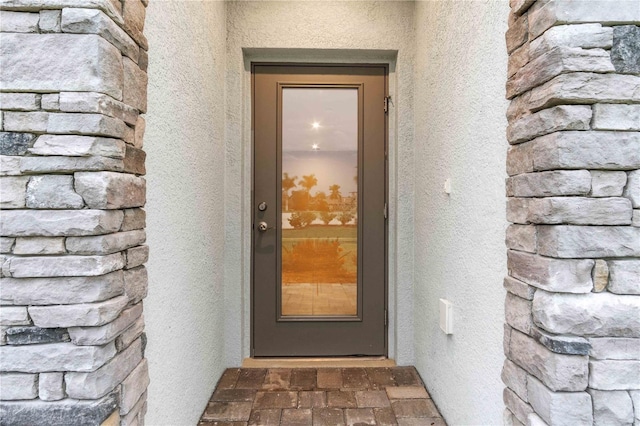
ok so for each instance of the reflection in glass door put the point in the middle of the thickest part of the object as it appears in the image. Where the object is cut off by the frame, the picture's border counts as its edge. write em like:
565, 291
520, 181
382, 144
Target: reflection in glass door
319, 201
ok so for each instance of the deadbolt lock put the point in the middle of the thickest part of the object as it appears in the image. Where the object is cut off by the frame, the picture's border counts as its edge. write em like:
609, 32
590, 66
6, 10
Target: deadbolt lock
262, 206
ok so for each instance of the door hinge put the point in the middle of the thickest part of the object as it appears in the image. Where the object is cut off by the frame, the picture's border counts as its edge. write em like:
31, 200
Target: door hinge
386, 317
387, 99
386, 211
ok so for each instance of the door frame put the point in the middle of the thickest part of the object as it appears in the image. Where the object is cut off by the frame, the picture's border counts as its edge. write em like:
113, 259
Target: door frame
386, 68
237, 187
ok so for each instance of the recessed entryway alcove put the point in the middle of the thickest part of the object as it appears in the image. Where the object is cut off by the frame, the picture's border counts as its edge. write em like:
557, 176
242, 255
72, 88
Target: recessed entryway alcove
423, 153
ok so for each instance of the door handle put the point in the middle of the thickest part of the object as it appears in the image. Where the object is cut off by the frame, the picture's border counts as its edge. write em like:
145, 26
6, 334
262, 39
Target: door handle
262, 227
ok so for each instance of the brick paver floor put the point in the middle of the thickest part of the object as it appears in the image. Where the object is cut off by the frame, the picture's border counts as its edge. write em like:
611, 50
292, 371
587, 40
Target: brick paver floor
319, 397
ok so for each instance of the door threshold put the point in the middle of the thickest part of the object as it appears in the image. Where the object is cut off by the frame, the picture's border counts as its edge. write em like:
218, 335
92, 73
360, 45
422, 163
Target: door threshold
344, 362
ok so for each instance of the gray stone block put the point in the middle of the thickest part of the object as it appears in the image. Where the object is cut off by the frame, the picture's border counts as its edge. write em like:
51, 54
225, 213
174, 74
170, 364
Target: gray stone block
635, 397
611, 407
54, 357
134, 219
93, 21
593, 314
130, 334
108, 190
137, 256
105, 244
517, 406
559, 60
517, 59
88, 124
515, 378
19, 101
558, 372
18, 121
108, 332
69, 164
624, 276
65, 266
39, 245
14, 315
140, 128
28, 223
12, 143
600, 275
134, 13
133, 387
632, 189
134, 161
50, 21
547, 14
559, 408
63, 290
516, 34
635, 220
50, 102
625, 52
588, 241
17, 386
585, 87
607, 184
136, 415
52, 192
571, 276
614, 374
78, 146
100, 382
82, 315
560, 344
135, 85
563, 117
6, 244
36, 335
97, 103
9, 166
60, 62
587, 36
519, 288
614, 348
517, 312
551, 183
68, 412
51, 386
521, 238
570, 210
616, 117
14, 191
18, 22
136, 284
576, 150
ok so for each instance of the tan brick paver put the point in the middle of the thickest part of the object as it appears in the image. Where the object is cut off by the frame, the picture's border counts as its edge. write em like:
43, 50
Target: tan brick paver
321, 397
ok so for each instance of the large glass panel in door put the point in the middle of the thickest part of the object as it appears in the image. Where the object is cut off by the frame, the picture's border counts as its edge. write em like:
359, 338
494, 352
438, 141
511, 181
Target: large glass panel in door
319, 246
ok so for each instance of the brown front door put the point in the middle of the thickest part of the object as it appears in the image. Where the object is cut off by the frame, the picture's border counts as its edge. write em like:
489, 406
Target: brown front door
319, 210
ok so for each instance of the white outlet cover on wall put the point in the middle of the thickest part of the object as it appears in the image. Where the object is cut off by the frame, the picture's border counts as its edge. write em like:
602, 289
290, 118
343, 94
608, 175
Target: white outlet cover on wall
446, 316
447, 186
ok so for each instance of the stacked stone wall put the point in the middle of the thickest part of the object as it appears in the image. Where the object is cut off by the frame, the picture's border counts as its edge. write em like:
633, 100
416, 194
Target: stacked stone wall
72, 97
572, 332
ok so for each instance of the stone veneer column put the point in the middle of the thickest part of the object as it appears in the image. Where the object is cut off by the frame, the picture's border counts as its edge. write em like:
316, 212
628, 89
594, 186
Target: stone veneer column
572, 333
73, 85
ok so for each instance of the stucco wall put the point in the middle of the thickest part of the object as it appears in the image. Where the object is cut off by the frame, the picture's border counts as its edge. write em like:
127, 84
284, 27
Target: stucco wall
338, 32
185, 206
459, 238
